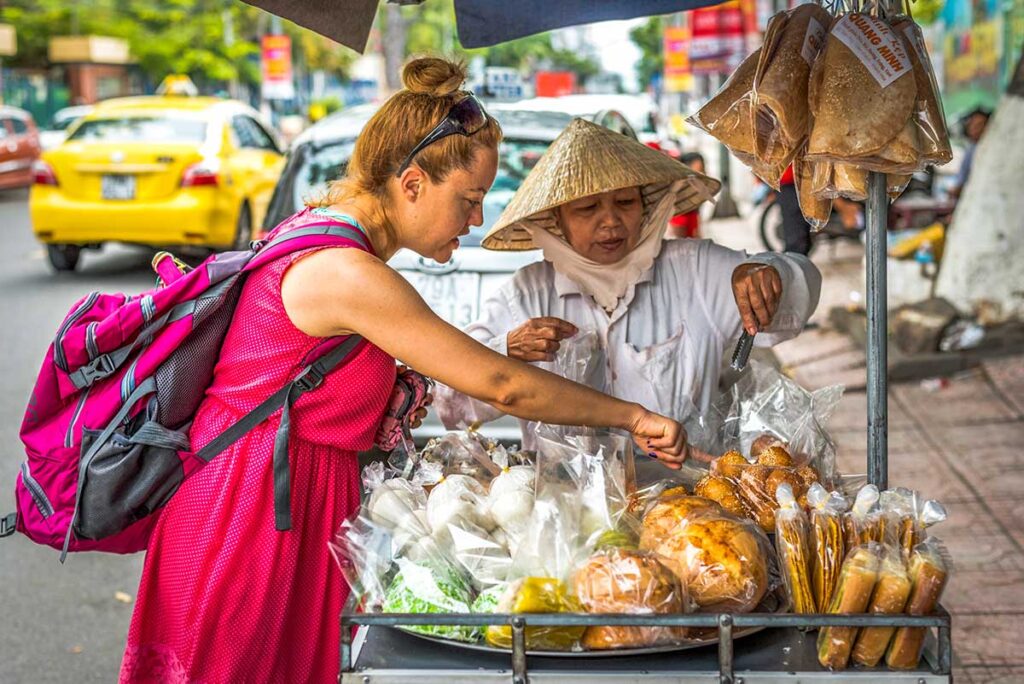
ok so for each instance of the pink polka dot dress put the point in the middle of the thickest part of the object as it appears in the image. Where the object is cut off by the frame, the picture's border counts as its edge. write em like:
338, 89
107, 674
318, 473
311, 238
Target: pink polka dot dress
225, 597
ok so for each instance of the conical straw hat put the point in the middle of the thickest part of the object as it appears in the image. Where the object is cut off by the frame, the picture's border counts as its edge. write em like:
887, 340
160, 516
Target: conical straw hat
587, 159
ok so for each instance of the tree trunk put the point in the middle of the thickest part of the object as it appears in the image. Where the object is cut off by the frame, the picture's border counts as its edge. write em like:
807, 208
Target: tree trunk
983, 262
394, 46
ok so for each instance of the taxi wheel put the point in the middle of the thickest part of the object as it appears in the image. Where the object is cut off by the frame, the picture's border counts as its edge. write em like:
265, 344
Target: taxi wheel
243, 229
64, 257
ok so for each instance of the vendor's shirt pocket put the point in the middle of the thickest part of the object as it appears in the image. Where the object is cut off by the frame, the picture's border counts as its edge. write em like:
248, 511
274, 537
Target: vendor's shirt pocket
655, 375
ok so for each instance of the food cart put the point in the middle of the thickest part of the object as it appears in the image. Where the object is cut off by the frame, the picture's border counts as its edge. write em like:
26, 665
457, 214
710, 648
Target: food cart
739, 648
774, 647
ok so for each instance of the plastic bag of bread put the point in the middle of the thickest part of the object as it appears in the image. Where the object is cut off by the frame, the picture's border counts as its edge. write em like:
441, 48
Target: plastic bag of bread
913, 516
619, 579
863, 95
890, 597
860, 523
537, 595
766, 402
928, 113
722, 560
929, 573
759, 482
828, 546
792, 42
853, 595
792, 543
728, 116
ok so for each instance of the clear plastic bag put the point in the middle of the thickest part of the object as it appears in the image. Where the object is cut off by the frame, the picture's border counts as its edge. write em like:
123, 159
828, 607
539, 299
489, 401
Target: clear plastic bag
462, 453
431, 587
510, 502
857, 581
764, 401
537, 595
829, 545
626, 580
889, 598
365, 553
862, 98
929, 573
581, 358
816, 208
861, 522
781, 117
723, 561
793, 544
929, 116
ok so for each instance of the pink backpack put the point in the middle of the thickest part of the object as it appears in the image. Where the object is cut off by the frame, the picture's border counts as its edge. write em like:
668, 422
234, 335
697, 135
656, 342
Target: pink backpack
106, 429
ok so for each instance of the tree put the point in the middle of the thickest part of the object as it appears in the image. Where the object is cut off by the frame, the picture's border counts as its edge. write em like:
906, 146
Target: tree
649, 38
983, 262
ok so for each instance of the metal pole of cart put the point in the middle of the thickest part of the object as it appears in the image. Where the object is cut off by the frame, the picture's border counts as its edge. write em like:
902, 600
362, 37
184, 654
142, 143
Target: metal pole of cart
877, 320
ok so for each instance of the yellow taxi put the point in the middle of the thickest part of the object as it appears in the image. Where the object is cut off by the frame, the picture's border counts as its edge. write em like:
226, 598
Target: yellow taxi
161, 170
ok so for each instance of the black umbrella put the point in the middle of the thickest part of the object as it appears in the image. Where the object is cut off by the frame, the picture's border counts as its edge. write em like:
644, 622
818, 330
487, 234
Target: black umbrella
481, 22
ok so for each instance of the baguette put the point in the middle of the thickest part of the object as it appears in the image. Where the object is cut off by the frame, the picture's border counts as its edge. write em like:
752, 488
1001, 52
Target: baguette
929, 573
856, 584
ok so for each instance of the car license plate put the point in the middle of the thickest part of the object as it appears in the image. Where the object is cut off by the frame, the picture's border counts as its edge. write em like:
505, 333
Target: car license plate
455, 297
118, 187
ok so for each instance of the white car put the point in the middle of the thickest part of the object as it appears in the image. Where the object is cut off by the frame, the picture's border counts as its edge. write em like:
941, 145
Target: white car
454, 290
54, 135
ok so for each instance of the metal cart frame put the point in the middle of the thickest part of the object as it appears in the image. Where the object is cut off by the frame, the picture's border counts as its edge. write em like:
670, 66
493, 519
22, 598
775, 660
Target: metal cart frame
878, 474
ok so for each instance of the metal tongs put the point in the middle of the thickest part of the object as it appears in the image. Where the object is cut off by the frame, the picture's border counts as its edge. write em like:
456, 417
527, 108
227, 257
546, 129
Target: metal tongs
742, 353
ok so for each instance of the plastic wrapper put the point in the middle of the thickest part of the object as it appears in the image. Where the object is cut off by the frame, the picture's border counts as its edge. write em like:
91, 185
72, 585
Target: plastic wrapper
792, 42
896, 183
793, 544
581, 358
890, 597
857, 581
365, 553
862, 96
624, 580
766, 402
860, 523
510, 502
755, 484
537, 595
722, 560
487, 600
463, 453
728, 116
928, 113
816, 208
829, 547
929, 573
911, 515
595, 468
431, 588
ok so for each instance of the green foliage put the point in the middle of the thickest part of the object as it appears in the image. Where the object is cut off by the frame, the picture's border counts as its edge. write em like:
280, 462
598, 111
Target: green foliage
648, 37
167, 36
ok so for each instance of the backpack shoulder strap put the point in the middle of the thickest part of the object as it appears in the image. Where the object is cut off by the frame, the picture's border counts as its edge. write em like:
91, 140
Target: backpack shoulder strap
310, 235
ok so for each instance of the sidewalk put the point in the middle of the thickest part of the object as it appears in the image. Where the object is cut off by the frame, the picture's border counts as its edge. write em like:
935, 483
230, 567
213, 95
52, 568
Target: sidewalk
960, 443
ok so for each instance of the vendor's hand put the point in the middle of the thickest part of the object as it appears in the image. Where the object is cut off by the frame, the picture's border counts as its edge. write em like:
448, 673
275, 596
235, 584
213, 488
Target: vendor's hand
660, 437
538, 339
758, 290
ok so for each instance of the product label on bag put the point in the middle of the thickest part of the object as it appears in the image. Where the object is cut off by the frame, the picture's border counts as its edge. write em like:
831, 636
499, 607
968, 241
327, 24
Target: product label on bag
813, 41
875, 44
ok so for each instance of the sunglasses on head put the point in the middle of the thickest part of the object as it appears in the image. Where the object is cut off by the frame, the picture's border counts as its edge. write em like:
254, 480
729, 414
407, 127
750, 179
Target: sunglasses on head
466, 117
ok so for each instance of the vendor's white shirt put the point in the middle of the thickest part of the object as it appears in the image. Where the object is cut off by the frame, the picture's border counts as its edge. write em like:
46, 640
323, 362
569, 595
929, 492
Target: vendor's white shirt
664, 343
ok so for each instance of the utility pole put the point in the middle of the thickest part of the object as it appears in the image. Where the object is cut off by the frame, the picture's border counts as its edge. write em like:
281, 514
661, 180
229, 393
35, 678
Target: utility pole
725, 207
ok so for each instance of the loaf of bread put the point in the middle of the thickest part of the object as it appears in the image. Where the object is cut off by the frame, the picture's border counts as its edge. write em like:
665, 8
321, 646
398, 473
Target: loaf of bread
890, 597
929, 572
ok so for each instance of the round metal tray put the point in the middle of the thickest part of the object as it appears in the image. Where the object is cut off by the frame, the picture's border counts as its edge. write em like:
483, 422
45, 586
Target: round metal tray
772, 603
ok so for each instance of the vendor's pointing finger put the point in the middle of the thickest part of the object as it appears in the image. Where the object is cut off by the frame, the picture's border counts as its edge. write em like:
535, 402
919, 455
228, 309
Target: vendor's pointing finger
564, 328
759, 307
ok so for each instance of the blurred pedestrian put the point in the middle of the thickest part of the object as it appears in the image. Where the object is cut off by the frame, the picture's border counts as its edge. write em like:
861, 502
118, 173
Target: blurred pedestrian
796, 231
974, 124
687, 225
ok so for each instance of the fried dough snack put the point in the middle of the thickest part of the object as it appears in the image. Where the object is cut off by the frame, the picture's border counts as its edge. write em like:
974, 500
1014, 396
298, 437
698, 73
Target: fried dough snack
792, 543
723, 491
929, 572
929, 115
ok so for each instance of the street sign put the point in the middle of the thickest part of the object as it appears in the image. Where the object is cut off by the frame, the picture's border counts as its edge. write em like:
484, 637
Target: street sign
503, 83
276, 65
678, 70
718, 42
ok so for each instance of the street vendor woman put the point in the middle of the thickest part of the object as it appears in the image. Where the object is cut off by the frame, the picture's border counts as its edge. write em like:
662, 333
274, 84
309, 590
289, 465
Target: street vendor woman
224, 596
665, 311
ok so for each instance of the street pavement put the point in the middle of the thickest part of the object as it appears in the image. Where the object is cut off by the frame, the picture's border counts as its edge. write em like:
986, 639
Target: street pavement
61, 623
959, 443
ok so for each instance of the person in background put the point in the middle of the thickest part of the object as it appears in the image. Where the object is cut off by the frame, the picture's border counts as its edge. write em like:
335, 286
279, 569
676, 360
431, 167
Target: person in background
974, 124
687, 225
796, 231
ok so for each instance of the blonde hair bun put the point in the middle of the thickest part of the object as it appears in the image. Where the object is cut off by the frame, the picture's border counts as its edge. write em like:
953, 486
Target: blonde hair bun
433, 76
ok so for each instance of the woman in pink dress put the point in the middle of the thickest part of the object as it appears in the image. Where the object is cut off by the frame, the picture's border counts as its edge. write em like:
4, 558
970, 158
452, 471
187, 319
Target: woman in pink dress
224, 596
